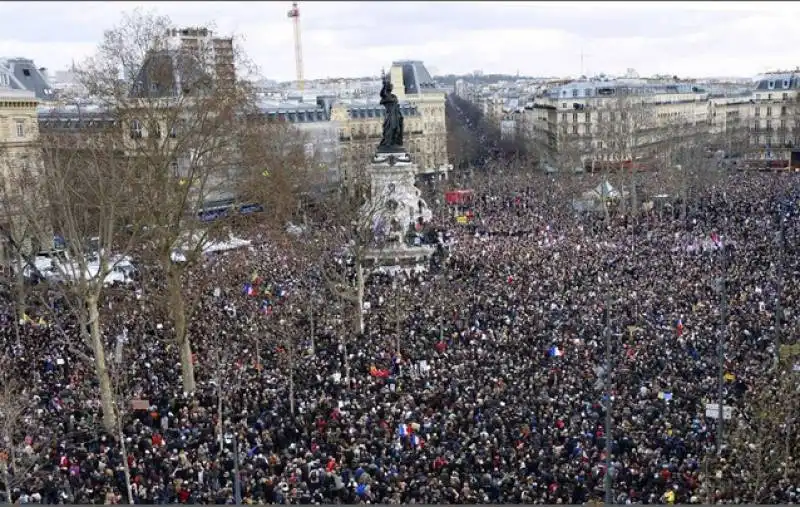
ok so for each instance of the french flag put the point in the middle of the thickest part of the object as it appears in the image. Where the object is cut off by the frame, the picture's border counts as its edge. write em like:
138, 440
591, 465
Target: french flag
249, 290
403, 430
679, 327
417, 441
554, 352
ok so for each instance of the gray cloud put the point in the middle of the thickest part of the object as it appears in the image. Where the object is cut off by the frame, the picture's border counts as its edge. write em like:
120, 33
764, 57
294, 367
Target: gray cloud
357, 38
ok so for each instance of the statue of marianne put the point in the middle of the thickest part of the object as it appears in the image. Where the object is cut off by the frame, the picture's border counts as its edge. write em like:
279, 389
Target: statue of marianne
392, 140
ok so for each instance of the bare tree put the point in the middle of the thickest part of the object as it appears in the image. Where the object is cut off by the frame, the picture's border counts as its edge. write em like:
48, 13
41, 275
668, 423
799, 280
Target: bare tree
765, 442
18, 456
183, 111
629, 133
76, 185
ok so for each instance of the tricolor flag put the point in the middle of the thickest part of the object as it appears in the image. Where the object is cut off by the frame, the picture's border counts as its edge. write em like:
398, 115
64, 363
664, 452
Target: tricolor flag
403, 430
679, 326
417, 441
248, 290
554, 352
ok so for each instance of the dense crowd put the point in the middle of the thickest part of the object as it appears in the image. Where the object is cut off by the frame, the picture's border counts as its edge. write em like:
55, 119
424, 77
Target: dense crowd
481, 381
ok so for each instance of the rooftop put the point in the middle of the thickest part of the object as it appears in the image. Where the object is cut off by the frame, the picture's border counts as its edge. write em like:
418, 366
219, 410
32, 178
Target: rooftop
22, 74
593, 88
416, 77
778, 81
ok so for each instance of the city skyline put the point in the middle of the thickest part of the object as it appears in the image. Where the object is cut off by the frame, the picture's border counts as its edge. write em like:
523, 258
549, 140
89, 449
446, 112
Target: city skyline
355, 39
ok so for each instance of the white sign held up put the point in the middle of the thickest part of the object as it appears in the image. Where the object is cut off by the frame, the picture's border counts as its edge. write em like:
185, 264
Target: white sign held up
712, 410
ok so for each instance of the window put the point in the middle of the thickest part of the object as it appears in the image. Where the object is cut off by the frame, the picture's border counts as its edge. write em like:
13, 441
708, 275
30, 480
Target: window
26, 72
769, 111
783, 110
136, 129
575, 92
786, 83
563, 117
783, 124
575, 128
758, 111
588, 117
4, 79
563, 105
612, 116
769, 96
785, 96
20, 128
587, 92
771, 85
769, 125
574, 117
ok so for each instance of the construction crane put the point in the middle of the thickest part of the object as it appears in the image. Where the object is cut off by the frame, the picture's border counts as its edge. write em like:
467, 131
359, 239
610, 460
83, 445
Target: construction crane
294, 15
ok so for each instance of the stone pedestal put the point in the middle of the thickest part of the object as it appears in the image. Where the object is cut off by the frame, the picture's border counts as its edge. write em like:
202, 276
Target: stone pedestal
397, 203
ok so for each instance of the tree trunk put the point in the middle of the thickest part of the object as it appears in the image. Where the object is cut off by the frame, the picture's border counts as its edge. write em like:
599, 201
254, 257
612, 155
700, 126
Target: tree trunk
126, 468
177, 309
360, 297
101, 368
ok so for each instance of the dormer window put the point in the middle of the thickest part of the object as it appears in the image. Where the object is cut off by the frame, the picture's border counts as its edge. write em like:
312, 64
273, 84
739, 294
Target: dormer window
771, 85
785, 83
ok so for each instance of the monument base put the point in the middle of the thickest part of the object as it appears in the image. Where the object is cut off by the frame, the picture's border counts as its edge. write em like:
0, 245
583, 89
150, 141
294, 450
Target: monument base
396, 203
391, 157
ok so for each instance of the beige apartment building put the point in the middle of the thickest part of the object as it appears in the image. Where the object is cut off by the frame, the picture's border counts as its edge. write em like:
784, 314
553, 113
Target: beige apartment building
774, 117
422, 104
19, 133
613, 120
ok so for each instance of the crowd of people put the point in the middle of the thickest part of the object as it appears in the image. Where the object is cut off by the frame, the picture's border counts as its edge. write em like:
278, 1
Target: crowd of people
486, 380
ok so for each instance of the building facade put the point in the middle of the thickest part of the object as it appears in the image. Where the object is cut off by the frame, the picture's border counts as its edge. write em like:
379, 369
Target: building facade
19, 157
618, 117
202, 41
774, 118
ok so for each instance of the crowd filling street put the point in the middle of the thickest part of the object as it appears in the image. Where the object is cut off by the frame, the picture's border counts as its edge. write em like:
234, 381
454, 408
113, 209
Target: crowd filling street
480, 380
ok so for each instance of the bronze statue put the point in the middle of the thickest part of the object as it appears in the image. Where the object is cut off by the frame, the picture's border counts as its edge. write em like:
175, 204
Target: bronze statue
392, 140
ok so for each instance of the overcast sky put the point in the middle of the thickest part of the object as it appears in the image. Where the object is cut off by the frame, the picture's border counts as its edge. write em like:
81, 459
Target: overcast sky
351, 39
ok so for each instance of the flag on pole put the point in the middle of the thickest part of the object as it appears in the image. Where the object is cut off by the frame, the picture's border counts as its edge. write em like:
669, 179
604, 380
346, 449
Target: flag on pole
554, 352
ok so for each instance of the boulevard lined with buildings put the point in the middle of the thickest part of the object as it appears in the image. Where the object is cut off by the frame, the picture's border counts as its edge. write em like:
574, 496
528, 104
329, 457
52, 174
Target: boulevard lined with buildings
628, 117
